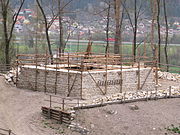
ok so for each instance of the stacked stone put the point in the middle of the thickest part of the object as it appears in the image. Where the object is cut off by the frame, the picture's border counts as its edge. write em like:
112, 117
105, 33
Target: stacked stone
173, 91
169, 76
78, 128
11, 76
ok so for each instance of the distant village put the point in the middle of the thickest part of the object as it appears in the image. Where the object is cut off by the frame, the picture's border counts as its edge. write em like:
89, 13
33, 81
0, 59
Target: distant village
83, 26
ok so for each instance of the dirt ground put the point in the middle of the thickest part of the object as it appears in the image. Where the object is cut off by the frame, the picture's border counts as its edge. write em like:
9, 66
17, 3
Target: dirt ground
20, 110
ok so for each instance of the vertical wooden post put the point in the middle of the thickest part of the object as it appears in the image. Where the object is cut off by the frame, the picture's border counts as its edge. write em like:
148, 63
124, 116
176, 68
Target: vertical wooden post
156, 72
49, 113
139, 58
63, 104
124, 97
106, 75
17, 66
156, 92
78, 42
147, 96
50, 101
139, 81
78, 102
9, 132
81, 90
156, 65
36, 73
45, 79
68, 75
56, 78
121, 74
144, 49
60, 117
36, 49
169, 91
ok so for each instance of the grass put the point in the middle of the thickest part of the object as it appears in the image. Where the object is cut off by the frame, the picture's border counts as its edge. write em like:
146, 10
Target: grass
175, 129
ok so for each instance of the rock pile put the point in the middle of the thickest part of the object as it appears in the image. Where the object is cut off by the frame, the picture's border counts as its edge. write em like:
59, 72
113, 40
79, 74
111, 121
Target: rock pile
77, 128
11, 76
169, 76
173, 91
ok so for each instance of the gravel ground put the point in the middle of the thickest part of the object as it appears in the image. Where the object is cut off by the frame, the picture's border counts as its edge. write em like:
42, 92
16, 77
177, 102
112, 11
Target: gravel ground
20, 111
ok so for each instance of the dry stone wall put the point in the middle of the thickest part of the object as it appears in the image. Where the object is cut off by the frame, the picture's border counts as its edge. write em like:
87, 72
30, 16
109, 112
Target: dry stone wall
129, 81
90, 83
169, 76
27, 80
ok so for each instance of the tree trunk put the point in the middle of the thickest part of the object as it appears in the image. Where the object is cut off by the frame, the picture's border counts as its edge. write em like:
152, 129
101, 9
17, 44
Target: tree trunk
135, 31
61, 43
8, 29
107, 30
166, 40
154, 15
159, 32
6, 43
117, 9
46, 30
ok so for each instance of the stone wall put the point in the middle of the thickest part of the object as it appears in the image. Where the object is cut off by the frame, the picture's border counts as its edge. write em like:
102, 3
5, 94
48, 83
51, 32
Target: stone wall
169, 76
27, 80
87, 83
129, 81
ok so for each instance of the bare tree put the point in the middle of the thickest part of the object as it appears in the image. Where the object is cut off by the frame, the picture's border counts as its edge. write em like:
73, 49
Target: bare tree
166, 40
47, 24
61, 7
61, 43
154, 17
107, 28
118, 17
137, 12
106, 14
8, 26
159, 31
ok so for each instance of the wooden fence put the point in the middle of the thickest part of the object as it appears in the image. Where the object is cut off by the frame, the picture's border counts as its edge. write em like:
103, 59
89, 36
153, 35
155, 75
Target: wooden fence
61, 116
6, 132
5, 68
169, 67
83, 62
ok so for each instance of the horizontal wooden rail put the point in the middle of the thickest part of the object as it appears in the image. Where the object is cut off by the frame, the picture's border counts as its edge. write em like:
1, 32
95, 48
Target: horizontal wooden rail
6, 132
59, 115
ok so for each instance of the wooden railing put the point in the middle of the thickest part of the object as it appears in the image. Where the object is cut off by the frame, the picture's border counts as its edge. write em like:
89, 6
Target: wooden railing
81, 61
6, 132
5, 68
169, 67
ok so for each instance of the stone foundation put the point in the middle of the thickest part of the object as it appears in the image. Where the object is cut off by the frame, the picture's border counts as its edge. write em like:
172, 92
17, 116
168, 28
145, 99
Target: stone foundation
85, 84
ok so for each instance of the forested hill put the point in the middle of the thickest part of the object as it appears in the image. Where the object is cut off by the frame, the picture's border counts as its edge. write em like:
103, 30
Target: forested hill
82, 4
76, 4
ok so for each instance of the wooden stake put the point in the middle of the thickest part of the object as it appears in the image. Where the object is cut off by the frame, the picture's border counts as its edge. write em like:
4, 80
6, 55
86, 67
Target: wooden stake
56, 79
106, 75
81, 90
139, 81
68, 74
63, 104
170, 91
144, 48
45, 78
121, 74
17, 74
50, 102
36, 76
